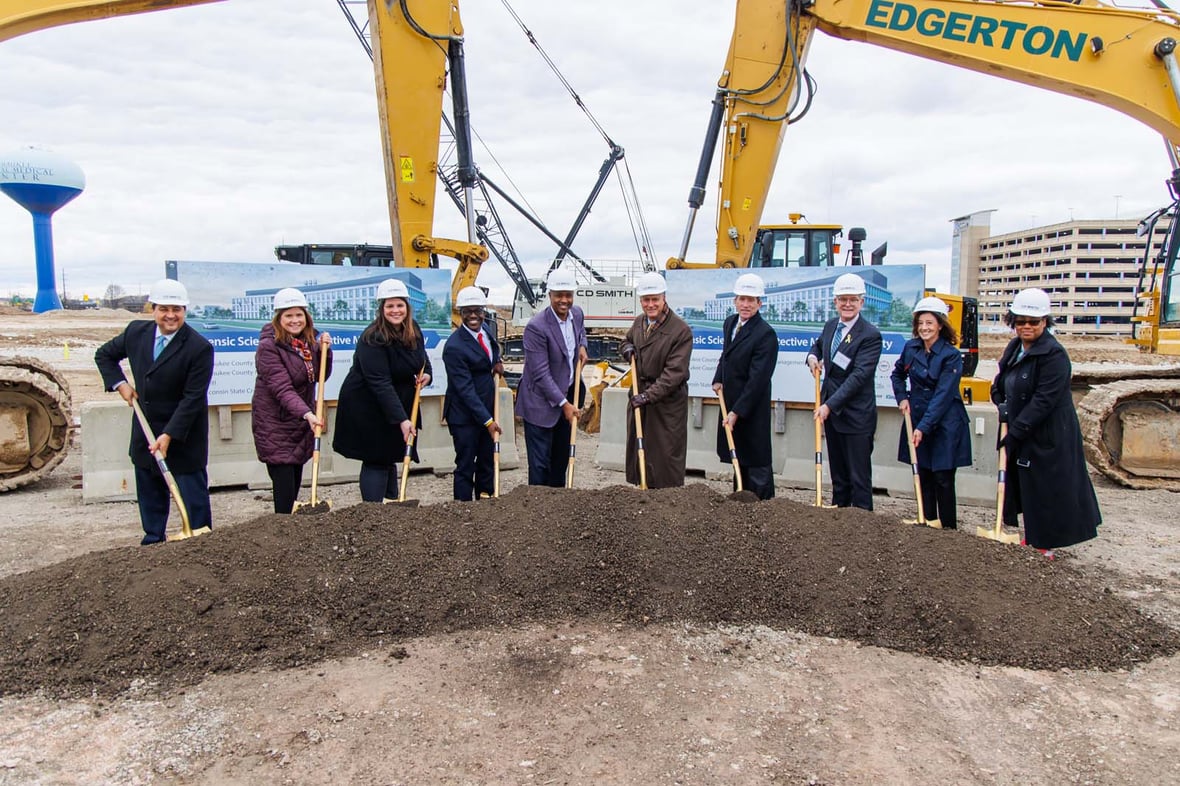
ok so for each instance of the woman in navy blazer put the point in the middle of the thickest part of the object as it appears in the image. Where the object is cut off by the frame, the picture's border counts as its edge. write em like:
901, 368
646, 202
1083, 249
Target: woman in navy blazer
933, 366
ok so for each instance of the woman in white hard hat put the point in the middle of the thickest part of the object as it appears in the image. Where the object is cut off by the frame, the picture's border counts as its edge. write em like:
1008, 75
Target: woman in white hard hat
1047, 479
373, 415
283, 409
933, 366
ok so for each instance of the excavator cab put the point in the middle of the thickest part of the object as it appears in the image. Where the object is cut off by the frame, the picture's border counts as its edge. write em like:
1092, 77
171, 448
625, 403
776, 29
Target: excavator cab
797, 245
337, 255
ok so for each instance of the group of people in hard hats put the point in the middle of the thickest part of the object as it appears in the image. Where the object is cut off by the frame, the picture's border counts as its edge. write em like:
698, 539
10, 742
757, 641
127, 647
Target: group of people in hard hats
377, 415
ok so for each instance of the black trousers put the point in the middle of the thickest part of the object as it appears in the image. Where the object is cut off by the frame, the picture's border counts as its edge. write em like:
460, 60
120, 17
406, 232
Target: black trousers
938, 496
285, 481
851, 460
548, 453
155, 501
759, 480
378, 482
474, 468
548, 449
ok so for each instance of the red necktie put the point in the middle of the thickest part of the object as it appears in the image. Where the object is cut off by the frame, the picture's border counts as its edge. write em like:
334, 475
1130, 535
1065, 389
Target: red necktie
483, 344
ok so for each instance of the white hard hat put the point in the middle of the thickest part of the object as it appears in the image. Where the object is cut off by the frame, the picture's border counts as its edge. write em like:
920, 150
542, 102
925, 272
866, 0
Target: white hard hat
1031, 303
933, 305
289, 297
167, 292
651, 284
392, 287
849, 284
471, 296
561, 280
750, 285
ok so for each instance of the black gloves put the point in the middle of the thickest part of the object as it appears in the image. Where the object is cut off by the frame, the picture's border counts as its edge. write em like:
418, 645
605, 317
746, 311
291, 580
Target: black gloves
628, 352
1011, 444
639, 400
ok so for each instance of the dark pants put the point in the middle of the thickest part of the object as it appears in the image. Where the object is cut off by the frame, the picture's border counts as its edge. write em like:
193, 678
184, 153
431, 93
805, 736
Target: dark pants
938, 496
474, 470
548, 453
378, 482
155, 501
759, 480
285, 480
851, 459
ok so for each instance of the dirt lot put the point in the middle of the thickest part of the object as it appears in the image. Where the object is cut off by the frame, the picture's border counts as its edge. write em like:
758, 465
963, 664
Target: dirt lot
599, 636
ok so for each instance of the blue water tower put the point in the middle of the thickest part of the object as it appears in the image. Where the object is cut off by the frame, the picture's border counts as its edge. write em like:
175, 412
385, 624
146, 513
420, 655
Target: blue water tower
41, 182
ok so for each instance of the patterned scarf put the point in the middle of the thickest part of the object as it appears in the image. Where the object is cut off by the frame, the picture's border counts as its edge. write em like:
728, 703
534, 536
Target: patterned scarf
304, 352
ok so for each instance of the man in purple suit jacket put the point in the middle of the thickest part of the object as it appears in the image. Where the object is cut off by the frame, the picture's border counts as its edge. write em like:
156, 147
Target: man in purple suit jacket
554, 343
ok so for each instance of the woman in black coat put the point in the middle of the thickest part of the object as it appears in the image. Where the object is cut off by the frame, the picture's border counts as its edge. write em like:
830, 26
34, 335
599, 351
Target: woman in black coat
1047, 477
373, 414
283, 409
942, 433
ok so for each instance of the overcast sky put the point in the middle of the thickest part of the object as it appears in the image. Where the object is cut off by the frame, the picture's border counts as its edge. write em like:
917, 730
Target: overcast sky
220, 131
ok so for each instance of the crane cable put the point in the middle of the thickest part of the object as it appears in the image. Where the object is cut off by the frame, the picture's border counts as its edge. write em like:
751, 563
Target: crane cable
627, 184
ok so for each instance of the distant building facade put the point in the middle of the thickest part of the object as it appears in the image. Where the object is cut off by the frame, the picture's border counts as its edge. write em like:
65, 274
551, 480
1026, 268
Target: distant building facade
1090, 268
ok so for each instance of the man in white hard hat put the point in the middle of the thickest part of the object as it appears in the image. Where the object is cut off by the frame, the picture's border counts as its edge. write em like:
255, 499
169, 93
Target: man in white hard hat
472, 356
749, 353
554, 344
660, 343
172, 365
848, 350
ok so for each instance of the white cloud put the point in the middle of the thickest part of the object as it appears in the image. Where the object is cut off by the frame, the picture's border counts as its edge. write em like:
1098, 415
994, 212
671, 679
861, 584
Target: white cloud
219, 131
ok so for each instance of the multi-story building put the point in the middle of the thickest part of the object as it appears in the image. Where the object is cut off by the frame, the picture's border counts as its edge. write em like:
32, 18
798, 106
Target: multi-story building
1090, 268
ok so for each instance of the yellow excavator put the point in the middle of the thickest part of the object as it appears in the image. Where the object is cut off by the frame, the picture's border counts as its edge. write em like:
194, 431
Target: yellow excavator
1119, 57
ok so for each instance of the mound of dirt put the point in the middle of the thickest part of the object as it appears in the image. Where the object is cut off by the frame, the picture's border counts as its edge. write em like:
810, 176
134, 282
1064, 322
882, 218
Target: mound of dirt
283, 591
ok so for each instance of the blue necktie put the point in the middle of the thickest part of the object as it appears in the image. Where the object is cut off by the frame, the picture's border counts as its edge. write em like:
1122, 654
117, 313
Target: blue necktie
837, 338
160, 342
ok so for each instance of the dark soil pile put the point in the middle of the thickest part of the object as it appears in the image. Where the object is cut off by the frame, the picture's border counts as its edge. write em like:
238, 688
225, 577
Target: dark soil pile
286, 591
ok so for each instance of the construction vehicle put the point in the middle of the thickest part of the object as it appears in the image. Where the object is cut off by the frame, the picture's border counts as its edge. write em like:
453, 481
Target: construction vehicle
1122, 58
1119, 57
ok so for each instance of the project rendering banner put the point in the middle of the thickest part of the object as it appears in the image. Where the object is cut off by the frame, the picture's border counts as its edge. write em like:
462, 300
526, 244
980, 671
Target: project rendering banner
229, 302
798, 302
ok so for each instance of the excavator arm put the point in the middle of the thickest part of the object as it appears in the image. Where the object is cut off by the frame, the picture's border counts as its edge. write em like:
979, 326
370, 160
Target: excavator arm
1121, 58
18, 17
416, 44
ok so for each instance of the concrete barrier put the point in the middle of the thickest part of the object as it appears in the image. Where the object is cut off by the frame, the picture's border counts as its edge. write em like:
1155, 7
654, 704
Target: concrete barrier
793, 441
107, 474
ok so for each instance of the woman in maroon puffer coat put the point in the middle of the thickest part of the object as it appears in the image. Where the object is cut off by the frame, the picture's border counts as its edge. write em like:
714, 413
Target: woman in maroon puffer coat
284, 417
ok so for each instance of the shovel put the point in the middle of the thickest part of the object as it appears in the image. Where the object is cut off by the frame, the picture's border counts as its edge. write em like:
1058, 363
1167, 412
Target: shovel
819, 452
323, 505
997, 533
401, 493
642, 454
909, 432
185, 530
569, 470
496, 440
737, 470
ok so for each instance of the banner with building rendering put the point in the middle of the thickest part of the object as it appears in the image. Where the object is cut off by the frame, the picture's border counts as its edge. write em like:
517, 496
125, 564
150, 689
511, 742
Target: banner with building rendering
231, 301
797, 304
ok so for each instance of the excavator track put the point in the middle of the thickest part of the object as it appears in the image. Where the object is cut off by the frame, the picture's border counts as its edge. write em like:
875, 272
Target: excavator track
1131, 431
34, 421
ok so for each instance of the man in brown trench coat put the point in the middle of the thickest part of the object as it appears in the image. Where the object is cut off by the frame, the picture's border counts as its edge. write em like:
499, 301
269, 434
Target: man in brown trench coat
661, 344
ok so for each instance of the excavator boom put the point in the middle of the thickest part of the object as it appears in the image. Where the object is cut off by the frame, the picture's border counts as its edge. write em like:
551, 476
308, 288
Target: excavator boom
1120, 58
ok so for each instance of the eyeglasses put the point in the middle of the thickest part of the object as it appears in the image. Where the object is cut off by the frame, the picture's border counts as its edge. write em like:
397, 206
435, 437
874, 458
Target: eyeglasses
1026, 321
469, 310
